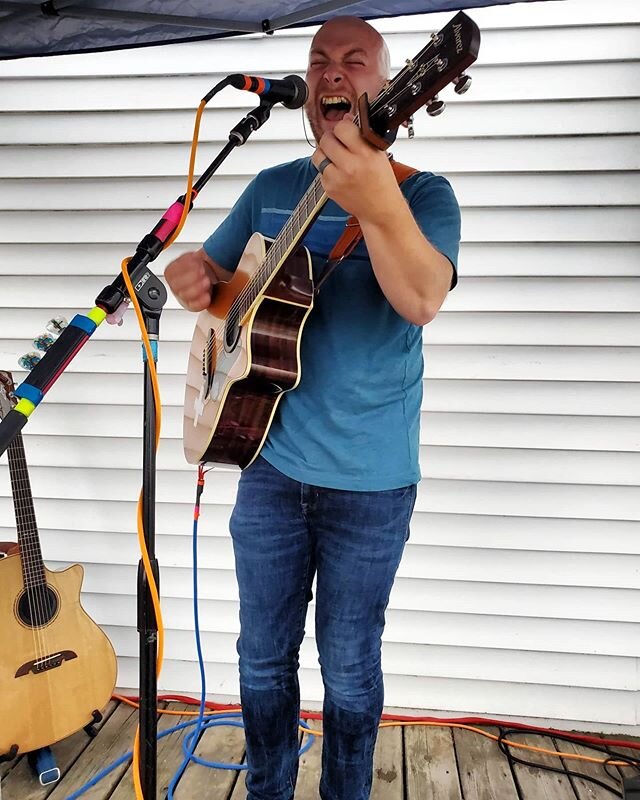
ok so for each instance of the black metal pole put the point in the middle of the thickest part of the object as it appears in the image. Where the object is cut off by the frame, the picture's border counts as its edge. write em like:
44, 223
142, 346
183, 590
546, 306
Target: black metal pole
147, 622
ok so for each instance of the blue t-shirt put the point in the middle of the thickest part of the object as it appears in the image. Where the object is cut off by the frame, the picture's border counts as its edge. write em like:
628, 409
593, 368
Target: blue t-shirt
353, 421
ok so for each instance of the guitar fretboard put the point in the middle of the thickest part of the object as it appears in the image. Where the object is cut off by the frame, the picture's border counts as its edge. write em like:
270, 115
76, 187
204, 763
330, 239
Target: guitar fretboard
293, 231
30, 554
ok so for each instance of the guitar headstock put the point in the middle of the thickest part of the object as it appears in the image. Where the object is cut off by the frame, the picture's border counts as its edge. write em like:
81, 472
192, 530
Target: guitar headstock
441, 62
7, 396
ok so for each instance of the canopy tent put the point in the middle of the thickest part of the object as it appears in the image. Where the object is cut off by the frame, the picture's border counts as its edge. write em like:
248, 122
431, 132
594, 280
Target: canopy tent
32, 28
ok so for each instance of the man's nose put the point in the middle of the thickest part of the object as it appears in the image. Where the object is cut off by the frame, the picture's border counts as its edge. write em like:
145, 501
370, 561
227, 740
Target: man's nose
333, 75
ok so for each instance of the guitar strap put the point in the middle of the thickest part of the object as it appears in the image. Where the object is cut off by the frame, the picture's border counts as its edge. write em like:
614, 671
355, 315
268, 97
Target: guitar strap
353, 233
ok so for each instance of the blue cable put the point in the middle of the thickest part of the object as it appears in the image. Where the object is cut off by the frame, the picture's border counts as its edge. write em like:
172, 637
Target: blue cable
190, 746
191, 739
220, 720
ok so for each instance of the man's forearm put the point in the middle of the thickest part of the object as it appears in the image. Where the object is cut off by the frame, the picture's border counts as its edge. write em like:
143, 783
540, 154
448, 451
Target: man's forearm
413, 275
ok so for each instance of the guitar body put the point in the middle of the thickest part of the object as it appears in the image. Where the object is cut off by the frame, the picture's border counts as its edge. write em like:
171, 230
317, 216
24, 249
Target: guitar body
239, 368
52, 676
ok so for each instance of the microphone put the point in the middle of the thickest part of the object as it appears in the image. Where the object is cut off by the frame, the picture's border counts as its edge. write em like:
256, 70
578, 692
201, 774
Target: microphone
291, 91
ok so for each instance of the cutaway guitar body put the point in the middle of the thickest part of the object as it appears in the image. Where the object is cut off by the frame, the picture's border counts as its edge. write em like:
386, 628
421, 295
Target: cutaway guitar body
239, 368
56, 665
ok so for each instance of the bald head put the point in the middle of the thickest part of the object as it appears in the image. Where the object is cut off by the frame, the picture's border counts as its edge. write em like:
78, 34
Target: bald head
357, 31
347, 59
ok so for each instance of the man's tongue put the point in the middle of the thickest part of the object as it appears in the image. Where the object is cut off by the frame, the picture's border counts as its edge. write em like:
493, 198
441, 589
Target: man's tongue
334, 114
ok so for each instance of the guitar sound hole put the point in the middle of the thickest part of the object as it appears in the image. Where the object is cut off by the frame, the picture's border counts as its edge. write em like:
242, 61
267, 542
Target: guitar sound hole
231, 333
37, 606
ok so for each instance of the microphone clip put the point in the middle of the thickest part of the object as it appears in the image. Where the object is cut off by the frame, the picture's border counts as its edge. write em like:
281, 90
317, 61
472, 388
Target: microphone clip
254, 119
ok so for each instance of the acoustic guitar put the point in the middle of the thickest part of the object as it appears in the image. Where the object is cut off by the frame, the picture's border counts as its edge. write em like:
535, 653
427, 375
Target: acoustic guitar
245, 351
56, 666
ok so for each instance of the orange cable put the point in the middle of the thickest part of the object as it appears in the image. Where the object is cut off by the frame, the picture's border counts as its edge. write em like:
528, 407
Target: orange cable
404, 723
153, 589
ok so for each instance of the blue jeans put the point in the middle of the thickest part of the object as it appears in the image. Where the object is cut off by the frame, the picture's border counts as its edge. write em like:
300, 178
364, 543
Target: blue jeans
283, 533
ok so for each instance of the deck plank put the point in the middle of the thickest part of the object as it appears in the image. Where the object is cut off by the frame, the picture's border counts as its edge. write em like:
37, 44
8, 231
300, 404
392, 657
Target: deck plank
21, 783
224, 744
240, 788
169, 755
540, 784
583, 788
430, 764
309, 768
484, 770
388, 769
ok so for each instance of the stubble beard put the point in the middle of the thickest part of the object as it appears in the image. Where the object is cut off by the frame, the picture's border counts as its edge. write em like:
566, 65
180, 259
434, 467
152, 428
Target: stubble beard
317, 133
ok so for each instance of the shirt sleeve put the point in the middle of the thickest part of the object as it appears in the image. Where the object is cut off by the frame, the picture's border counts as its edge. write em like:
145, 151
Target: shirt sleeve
227, 242
436, 210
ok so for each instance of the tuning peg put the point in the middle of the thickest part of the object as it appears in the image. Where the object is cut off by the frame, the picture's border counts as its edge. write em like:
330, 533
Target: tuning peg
29, 360
435, 107
54, 328
410, 131
43, 342
462, 83
56, 325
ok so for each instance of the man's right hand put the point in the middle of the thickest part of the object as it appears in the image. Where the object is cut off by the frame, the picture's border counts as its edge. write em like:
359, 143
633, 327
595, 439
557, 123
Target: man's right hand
191, 278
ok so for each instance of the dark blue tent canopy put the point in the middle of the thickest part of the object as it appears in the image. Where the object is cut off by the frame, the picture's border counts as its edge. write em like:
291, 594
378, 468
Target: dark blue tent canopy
32, 28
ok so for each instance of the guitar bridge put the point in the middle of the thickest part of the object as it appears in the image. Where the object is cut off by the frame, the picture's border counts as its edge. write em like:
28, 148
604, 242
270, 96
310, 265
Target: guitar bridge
40, 665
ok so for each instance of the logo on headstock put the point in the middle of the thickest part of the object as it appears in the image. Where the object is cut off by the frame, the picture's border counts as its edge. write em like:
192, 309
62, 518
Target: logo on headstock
458, 37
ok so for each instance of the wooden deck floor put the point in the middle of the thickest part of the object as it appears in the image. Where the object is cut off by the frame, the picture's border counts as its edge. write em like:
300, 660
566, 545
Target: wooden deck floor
412, 763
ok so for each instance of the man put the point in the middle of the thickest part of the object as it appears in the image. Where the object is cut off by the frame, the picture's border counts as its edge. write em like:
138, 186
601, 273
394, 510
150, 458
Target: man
333, 489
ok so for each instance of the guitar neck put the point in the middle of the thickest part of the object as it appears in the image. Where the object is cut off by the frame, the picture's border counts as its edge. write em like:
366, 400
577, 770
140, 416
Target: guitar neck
303, 216
30, 554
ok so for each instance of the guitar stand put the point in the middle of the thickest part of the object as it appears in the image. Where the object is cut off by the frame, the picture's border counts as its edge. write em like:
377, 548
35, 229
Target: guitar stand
90, 729
43, 762
13, 753
111, 304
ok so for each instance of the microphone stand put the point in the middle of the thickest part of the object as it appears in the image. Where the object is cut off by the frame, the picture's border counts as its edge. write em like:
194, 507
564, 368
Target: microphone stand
111, 303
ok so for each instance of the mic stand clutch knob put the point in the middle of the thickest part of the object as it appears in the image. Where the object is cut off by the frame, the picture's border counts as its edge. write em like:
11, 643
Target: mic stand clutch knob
254, 120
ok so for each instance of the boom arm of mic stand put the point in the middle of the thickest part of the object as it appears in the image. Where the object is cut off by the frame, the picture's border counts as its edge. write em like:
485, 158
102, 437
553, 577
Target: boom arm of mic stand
149, 289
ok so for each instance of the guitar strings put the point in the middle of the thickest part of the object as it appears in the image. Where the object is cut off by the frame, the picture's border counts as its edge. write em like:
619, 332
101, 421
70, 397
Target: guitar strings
20, 479
37, 591
267, 267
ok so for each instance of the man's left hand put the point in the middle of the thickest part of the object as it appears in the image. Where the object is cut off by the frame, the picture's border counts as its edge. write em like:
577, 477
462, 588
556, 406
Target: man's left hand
359, 178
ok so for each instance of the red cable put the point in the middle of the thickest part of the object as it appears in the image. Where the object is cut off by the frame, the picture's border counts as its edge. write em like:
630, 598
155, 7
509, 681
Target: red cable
578, 737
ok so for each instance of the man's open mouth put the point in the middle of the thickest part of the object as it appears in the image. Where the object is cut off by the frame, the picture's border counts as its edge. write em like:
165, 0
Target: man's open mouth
334, 107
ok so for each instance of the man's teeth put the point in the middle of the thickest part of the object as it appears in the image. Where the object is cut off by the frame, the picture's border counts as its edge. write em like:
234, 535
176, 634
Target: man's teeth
335, 100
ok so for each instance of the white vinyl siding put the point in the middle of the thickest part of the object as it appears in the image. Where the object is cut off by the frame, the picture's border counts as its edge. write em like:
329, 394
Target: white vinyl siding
519, 592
